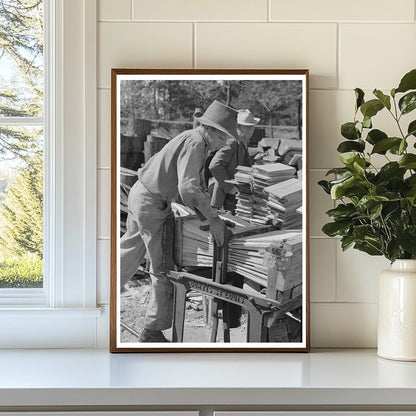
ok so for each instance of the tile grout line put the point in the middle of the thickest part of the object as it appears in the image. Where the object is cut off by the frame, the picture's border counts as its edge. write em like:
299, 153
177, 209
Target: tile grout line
131, 9
194, 45
338, 63
337, 245
355, 302
269, 11
307, 22
336, 271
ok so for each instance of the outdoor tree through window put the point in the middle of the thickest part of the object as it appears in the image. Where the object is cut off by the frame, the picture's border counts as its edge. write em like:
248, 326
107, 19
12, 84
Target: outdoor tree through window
21, 143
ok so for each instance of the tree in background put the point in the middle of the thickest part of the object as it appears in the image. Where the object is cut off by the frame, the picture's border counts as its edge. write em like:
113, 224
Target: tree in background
21, 79
21, 95
275, 102
21, 222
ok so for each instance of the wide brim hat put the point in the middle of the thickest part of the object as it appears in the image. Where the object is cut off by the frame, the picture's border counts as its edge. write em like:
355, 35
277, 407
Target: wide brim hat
198, 112
222, 117
245, 118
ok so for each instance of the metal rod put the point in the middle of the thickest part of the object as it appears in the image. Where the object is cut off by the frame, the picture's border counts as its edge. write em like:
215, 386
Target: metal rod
129, 329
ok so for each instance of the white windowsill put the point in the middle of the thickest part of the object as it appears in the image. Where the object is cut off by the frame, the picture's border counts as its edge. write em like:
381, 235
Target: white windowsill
41, 327
36, 312
335, 378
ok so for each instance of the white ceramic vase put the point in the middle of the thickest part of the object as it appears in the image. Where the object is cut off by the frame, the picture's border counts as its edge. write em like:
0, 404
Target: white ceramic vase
397, 312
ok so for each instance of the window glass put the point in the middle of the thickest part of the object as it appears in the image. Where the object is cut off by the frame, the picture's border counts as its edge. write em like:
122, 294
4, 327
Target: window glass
21, 143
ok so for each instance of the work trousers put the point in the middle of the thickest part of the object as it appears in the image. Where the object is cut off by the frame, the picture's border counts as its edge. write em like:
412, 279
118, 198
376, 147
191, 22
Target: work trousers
148, 220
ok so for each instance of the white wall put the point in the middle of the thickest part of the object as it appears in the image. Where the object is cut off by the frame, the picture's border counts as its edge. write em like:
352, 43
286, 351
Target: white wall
345, 44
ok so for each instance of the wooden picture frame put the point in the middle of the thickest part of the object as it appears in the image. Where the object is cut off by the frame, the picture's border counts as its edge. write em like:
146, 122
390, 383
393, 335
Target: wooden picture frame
264, 270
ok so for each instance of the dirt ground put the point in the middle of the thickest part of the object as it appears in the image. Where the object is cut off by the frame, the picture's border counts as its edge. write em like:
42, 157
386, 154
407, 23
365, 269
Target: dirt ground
198, 325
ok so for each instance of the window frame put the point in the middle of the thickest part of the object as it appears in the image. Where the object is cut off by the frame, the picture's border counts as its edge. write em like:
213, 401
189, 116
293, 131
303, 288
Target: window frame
65, 313
37, 296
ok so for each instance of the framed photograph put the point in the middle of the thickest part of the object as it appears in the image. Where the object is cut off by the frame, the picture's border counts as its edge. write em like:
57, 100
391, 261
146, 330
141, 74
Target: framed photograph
209, 211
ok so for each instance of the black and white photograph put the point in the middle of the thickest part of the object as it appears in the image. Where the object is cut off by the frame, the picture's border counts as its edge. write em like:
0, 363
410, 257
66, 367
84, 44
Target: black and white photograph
209, 210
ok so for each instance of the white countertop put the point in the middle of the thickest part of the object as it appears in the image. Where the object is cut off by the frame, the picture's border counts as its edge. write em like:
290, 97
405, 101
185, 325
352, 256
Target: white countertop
96, 377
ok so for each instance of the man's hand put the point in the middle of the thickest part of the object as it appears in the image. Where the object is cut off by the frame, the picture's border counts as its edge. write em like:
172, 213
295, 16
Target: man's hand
217, 229
234, 190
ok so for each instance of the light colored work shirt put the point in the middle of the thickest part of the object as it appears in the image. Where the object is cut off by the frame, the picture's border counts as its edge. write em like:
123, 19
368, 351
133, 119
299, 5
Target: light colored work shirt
179, 169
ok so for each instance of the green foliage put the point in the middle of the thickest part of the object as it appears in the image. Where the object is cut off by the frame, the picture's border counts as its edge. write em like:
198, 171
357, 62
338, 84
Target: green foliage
21, 95
21, 213
24, 271
21, 84
376, 209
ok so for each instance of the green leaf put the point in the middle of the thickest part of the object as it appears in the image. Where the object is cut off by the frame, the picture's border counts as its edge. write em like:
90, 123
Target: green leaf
371, 108
368, 248
342, 211
393, 250
349, 158
359, 95
359, 166
369, 201
333, 229
411, 130
383, 145
398, 149
346, 186
393, 92
408, 82
375, 243
385, 99
367, 122
408, 161
375, 211
361, 231
407, 240
374, 136
349, 146
338, 171
411, 180
349, 131
408, 102
346, 242
391, 170
325, 185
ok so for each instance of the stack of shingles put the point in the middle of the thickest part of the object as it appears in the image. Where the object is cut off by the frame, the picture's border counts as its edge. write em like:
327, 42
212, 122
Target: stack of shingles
245, 200
285, 198
193, 245
246, 255
265, 176
194, 248
290, 150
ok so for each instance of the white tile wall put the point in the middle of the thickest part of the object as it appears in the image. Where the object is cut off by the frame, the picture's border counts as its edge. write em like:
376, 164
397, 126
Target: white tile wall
343, 325
142, 45
328, 109
104, 202
272, 45
323, 269
345, 44
104, 128
357, 275
114, 10
358, 10
201, 10
376, 55
103, 271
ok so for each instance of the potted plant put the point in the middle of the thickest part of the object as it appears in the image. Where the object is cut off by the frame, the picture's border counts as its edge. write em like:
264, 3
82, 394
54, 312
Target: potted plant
376, 207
